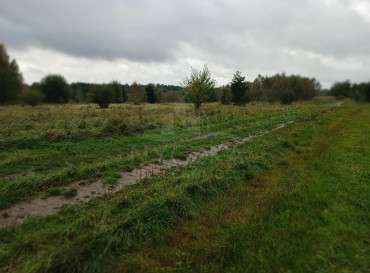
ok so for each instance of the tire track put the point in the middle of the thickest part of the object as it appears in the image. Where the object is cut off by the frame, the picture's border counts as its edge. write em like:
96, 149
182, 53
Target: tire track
87, 191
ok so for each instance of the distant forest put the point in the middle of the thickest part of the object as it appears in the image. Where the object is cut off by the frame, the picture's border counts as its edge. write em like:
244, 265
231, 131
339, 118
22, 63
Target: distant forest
55, 89
262, 88
163, 92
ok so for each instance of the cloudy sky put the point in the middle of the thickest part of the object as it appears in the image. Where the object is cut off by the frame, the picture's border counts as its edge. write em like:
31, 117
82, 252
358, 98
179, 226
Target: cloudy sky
160, 40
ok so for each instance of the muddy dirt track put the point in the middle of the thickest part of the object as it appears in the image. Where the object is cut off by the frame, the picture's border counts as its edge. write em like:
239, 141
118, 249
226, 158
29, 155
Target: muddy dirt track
86, 191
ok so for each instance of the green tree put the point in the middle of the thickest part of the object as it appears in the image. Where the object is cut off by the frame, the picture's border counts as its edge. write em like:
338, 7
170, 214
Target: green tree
226, 95
341, 89
303, 88
238, 88
102, 94
361, 92
55, 89
125, 92
159, 94
118, 91
255, 92
212, 96
198, 87
11, 79
35, 86
137, 94
150, 94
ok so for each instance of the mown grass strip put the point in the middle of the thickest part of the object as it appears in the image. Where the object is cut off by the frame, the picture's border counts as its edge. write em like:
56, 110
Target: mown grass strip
308, 214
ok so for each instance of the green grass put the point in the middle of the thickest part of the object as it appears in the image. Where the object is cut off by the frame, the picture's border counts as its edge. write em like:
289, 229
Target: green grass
49, 164
232, 215
53, 192
310, 213
69, 193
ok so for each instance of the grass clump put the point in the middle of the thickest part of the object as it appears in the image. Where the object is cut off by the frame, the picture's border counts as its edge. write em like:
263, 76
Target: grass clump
53, 192
110, 177
72, 192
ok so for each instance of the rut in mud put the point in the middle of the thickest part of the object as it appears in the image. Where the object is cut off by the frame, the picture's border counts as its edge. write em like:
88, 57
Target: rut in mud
85, 192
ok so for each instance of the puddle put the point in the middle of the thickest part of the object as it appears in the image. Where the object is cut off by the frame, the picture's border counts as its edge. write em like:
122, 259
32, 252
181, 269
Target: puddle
85, 192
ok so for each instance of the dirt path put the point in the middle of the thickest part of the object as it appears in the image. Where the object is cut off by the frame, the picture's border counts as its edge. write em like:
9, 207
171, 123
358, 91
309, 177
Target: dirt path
85, 192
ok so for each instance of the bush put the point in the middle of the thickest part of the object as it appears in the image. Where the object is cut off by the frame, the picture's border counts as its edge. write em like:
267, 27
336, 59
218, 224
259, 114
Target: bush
55, 89
103, 95
287, 97
116, 124
32, 97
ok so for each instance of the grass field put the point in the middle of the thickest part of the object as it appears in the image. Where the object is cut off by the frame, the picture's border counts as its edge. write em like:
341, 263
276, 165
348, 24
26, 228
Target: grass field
47, 149
293, 200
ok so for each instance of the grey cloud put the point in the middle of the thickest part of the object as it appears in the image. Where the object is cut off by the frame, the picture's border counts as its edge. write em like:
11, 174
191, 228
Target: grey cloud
229, 33
152, 30
108, 30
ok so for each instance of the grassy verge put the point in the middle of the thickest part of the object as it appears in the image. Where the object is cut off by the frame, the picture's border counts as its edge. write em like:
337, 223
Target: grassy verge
58, 164
90, 237
310, 213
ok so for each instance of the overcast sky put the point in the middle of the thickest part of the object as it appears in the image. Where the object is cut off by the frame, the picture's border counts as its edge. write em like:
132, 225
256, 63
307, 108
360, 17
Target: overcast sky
160, 40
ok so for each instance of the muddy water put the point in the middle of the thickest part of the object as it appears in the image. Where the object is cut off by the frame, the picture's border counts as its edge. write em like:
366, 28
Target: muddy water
86, 191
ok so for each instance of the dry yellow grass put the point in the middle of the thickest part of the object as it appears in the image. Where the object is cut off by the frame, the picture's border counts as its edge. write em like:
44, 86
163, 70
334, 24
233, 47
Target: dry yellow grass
61, 120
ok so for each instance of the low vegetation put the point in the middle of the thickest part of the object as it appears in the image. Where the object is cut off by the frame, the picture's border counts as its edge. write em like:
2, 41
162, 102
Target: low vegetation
291, 200
84, 142
31, 97
358, 91
308, 213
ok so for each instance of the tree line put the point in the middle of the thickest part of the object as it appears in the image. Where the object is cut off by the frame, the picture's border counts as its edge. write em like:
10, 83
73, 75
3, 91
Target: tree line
197, 88
55, 89
358, 91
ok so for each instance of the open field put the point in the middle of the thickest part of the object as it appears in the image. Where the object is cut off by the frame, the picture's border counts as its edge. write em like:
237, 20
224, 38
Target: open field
293, 199
34, 159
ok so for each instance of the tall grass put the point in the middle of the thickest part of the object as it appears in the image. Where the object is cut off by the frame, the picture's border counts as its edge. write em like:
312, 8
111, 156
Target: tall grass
59, 148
